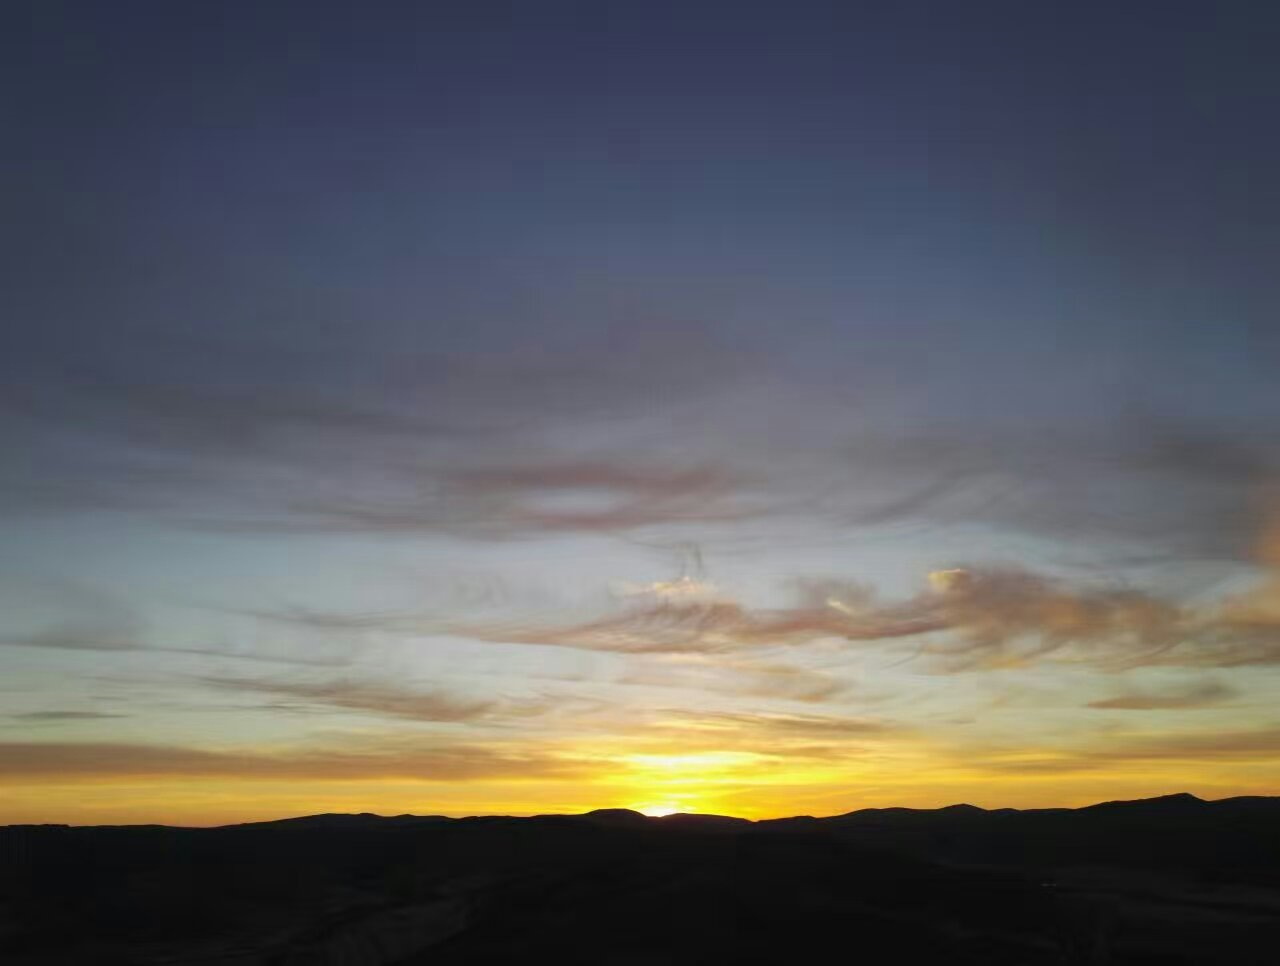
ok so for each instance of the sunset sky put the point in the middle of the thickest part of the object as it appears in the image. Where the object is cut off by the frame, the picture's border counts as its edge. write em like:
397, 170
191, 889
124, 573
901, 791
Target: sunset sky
754, 408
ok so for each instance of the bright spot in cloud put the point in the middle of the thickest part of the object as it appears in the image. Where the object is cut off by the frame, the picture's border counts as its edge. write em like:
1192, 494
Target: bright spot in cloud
680, 589
692, 762
944, 581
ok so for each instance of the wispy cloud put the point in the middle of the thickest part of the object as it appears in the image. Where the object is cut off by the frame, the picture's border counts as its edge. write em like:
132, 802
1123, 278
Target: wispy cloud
1248, 743
351, 761
664, 621
388, 700
968, 618
72, 616
430, 444
66, 615
1203, 695
65, 716
526, 499
1242, 744
1170, 489
779, 725
738, 675
487, 447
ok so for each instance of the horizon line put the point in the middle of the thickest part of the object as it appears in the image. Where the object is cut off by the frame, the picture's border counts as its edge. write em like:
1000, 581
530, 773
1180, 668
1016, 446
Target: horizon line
618, 810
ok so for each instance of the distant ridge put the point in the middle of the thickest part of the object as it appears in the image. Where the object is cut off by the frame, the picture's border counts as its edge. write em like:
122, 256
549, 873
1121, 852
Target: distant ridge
614, 816
342, 820
626, 817
1177, 800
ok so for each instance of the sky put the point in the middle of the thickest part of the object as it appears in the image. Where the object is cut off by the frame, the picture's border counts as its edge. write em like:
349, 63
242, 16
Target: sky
754, 408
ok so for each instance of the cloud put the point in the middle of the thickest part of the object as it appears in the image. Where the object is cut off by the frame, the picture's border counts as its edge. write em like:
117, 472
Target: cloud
611, 495
1202, 695
969, 617
68, 615
646, 427
451, 443
1261, 743
1169, 489
779, 725
491, 446
64, 615
70, 638
769, 679
522, 499
665, 623
1249, 744
727, 674
76, 637
989, 607
1007, 617
64, 716
386, 700
354, 761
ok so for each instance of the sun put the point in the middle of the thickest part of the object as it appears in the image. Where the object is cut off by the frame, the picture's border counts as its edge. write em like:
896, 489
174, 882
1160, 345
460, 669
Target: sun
657, 811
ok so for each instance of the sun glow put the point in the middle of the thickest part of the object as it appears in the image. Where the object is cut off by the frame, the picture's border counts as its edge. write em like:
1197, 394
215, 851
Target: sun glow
657, 811
696, 764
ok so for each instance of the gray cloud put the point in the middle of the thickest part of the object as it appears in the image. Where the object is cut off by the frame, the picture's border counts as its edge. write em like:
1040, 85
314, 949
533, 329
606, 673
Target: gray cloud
67, 615
1174, 490
263, 437
69, 637
416, 443
386, 700
71, 616
65, 716
528, 499
1203, 695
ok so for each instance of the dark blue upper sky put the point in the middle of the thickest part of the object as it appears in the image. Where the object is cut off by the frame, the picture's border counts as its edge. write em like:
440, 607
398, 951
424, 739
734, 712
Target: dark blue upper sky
993, 185
986, 223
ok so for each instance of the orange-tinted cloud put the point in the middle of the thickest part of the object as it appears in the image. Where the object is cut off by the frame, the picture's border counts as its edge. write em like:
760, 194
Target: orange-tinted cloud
806, 724
1115, 752
353, 761
992, 617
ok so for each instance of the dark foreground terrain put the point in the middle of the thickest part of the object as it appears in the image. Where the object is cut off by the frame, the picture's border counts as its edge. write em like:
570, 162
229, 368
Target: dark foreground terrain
1167, 880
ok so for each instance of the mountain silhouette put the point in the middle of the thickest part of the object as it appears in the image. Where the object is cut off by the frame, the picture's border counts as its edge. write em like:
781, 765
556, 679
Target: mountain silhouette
1174, 879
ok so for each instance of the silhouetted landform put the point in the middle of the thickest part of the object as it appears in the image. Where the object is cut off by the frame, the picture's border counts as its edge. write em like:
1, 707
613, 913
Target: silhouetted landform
1172, 880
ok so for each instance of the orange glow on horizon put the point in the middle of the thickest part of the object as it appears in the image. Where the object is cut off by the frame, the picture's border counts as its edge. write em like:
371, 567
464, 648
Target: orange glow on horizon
714, 783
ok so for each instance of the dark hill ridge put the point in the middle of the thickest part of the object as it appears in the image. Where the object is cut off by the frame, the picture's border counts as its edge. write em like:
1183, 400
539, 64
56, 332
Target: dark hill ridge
1162, 804
1178, 800
1173, 879
629, 817
344, 820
